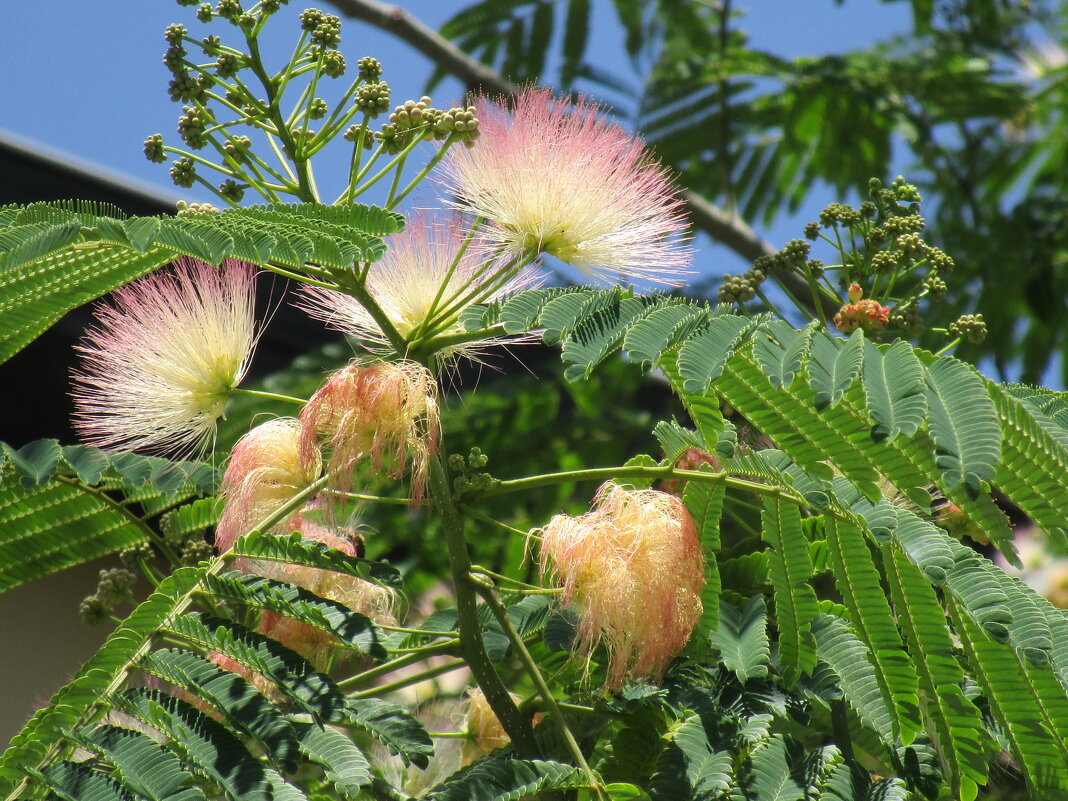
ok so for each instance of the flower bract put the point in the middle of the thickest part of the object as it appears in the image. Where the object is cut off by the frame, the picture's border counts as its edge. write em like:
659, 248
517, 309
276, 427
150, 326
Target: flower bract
165, 354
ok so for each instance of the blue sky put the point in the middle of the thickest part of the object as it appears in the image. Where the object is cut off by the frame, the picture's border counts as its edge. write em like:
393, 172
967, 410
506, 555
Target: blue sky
92, 85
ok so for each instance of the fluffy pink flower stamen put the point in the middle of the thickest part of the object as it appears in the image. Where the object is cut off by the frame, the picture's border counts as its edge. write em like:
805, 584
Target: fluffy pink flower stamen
166, 353
434, 269
384, 413
557, 178
633, 565
267, 469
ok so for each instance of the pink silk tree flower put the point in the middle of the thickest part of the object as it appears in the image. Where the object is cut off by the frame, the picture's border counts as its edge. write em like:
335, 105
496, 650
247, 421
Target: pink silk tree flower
553, 177
382, 413
633, 566
166, 353
267, 469
433, 270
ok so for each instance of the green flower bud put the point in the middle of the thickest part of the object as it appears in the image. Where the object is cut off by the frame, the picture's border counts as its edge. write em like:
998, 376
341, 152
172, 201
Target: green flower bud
373, 98
154, 149
197, 552
310, 19
204, 12
227, 65
210, 45
935, 286
228, 9
812, 231
795, 252
247, 21
884, 262
333, 64
92, 610
971, 327
815, 267
232, 190
867, 209
174, 59
183, 172
328, 32
317, 109
135, 554
175, 33
370, 69
188, 87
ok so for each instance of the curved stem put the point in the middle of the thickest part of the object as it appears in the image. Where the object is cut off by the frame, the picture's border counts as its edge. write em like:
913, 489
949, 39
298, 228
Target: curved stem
471, 645
486, 591
408, 681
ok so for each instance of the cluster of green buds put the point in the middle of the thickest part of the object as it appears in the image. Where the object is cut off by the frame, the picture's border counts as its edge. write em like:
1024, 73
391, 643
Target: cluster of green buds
224, 88
971, 327
885, 267
115, 587
471, 476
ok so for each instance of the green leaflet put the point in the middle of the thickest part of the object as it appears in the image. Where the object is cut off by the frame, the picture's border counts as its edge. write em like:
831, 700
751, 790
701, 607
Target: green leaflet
599, 335
1033, 464
858, 582
790, 568
207, 747
57, 257
296, 550
702, 357
771, 776
742, 638
243, 708
780, 349
704, 501
394, 727
1010, 697
958, 728
848, 657
833, 365
53, 516
894, 389
71, 781
492, 779
69, 707
689, 765
146, 767
353, 629
345, 764
963, 424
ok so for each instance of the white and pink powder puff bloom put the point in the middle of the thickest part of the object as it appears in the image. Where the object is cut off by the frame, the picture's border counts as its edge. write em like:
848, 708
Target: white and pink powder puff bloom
553, 177
432, 271
267, 469
381, 413
633, 566
166, 353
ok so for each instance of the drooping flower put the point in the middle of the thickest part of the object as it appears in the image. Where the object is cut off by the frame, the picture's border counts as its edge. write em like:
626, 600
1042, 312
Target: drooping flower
555, 177
382, 413
165, 355
432, 270
267, 469
633, 566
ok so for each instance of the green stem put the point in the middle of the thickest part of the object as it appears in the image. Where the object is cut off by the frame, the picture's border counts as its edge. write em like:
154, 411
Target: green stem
634, 471
507, 579
471, 646
269, 395
948, 347
423, 172
486, 591
408, 681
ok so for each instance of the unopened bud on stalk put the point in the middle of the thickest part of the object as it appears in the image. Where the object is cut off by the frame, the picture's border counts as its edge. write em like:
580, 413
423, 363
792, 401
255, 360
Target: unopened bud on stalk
633, 565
